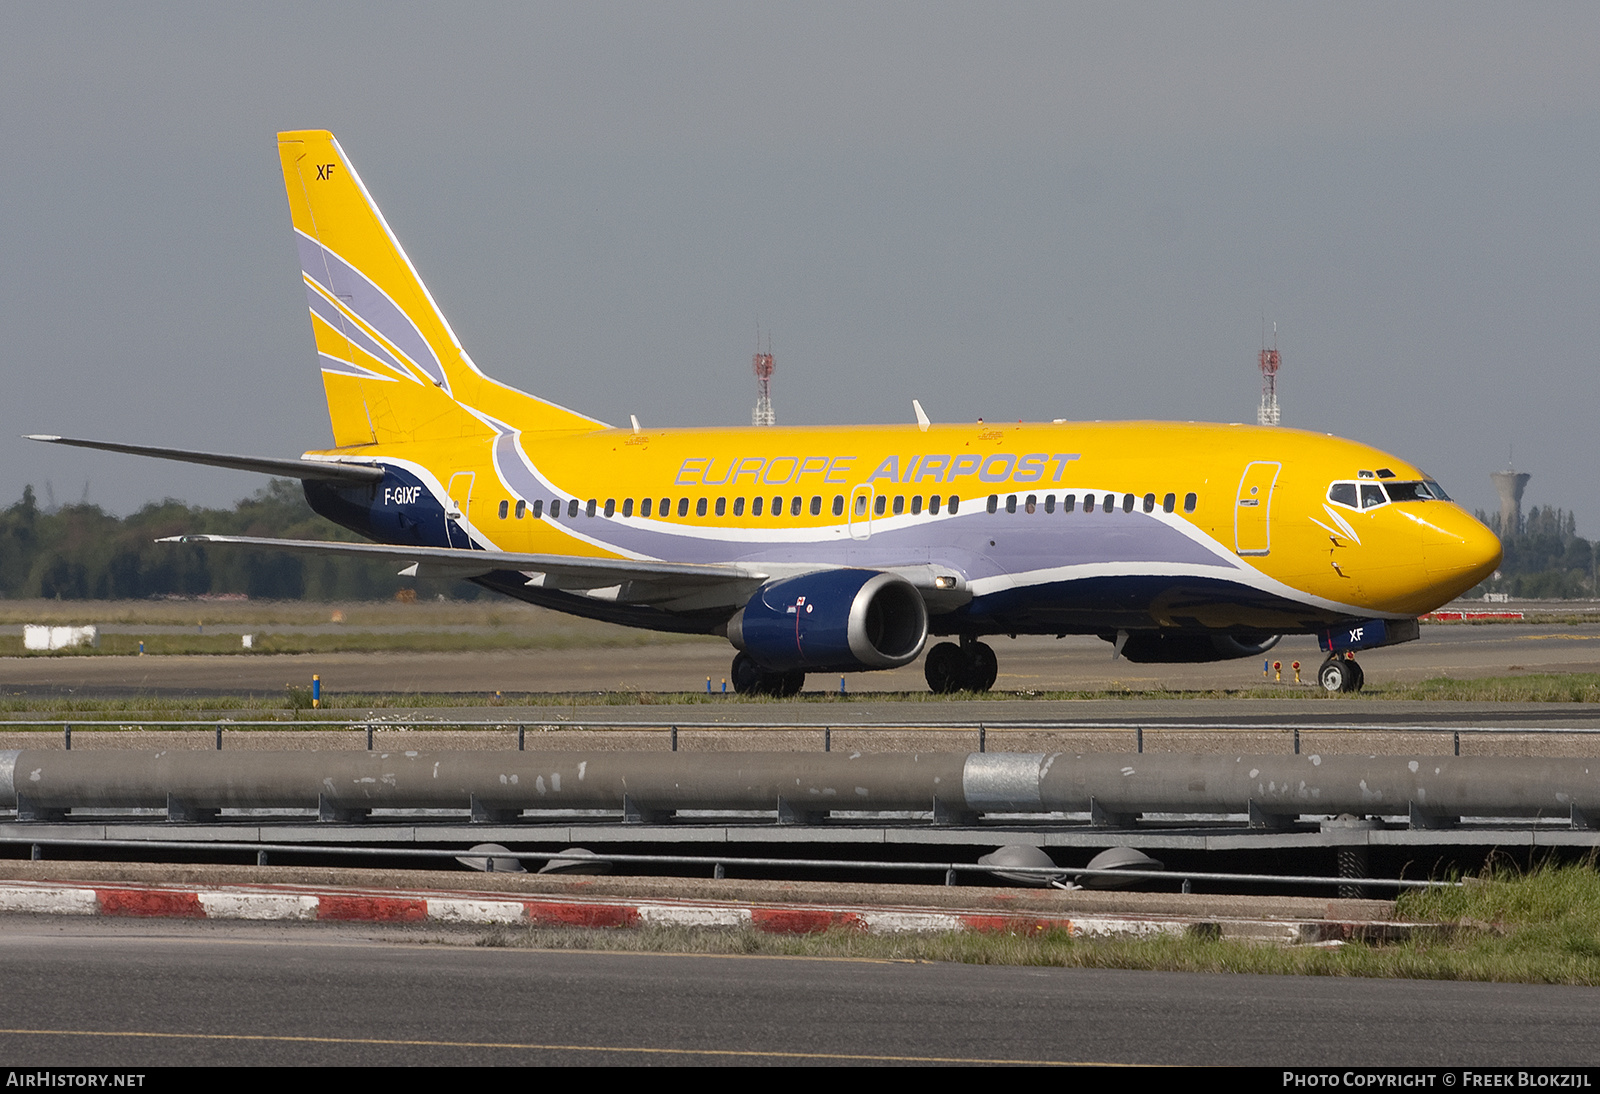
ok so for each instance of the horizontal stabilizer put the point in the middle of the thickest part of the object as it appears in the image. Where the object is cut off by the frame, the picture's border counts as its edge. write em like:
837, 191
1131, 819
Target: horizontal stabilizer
293, 469
573, 573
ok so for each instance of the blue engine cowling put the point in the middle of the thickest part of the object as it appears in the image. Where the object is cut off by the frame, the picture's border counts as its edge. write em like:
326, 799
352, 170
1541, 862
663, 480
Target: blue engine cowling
838, 620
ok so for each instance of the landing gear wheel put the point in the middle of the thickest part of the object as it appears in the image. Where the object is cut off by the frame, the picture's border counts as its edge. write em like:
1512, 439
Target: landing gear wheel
982, 667
944, 669
785, 684
746, 674
750, 678
1337, 674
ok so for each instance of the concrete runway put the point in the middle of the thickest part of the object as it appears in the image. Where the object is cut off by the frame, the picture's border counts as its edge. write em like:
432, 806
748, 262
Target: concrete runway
1026, 664
130, 995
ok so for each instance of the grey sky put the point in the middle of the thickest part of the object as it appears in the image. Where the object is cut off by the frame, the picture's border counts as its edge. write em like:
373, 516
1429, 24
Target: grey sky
1007, 211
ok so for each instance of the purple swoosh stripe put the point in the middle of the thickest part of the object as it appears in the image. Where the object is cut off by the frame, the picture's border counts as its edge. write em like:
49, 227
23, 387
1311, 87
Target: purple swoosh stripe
358, 337
1026, 542
368, 301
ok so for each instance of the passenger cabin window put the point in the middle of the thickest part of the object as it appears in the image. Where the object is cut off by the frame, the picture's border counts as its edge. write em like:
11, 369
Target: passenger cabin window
816, 505
722, 507
644, 507
933, 505
611, 507
700, 507
538, 509
794, 506
588, 510
627, 507
755, 506
955, 504
1069, 502
1049, 503
1127, 503
522, 509
738, 507
505, 507
683, 506
1189, 502
838, 505
882, 503
916, 505
1149, 503
1169, 503
572, 507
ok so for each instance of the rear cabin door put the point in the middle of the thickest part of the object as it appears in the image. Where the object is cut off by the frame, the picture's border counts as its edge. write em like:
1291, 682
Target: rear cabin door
459, 509
1253, 510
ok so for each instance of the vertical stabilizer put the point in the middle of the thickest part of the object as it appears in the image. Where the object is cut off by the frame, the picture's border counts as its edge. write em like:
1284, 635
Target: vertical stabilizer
392, 368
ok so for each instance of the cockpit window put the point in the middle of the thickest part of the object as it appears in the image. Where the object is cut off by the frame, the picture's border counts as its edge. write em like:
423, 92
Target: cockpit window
1367, 494
1410, 491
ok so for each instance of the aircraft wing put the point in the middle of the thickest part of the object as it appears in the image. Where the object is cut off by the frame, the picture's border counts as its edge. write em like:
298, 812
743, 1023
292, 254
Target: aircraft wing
560, 571
319, 470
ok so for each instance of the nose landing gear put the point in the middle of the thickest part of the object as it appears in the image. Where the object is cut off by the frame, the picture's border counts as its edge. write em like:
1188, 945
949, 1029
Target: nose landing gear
1341, 674
971, 666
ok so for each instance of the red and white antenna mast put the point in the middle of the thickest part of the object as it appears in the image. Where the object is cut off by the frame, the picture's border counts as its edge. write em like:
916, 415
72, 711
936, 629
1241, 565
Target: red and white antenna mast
1268, 414
764, 368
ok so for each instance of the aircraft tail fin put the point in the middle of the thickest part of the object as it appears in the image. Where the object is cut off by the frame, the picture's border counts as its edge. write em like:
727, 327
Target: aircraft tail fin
392, 368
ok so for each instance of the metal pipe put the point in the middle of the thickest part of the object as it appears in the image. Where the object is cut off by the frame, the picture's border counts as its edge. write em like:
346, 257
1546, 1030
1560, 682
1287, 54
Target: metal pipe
952, 784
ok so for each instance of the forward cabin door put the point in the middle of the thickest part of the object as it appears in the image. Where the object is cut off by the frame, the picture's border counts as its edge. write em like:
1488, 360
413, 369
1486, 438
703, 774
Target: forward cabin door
1253, 510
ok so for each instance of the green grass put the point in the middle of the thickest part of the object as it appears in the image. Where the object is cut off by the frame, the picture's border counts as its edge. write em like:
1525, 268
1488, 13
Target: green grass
1540, 928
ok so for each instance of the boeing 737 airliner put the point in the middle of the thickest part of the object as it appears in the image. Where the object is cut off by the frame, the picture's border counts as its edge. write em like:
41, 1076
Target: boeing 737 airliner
839, 549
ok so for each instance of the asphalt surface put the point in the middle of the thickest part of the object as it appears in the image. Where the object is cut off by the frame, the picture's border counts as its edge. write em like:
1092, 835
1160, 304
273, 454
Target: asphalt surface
1027, 664
126, 995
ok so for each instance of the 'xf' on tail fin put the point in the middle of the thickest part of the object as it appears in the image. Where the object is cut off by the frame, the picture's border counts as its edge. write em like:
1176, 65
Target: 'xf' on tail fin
392, 368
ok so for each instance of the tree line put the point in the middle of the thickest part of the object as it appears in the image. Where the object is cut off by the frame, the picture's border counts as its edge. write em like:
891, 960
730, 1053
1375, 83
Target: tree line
81, 552
1546, 558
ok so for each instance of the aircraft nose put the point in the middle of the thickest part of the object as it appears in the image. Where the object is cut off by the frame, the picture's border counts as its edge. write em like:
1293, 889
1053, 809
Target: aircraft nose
1457, 549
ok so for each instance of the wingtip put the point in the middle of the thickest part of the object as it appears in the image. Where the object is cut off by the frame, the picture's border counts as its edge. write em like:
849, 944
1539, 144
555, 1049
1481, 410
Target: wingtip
41, 436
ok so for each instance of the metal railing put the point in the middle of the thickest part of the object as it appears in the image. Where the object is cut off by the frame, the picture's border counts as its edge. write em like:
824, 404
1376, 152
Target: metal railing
718, 864
1291, 732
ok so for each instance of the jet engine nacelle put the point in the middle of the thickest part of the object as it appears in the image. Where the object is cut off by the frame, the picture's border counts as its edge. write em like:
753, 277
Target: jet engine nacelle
1154, 647
839, 620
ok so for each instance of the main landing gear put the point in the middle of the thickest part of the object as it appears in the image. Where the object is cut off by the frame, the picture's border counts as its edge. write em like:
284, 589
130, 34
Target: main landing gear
750, 678
1341, 673
970, 666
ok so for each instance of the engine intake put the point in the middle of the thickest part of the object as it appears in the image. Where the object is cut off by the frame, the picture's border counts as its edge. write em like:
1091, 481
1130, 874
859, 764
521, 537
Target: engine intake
841, 620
